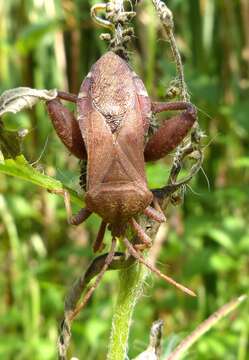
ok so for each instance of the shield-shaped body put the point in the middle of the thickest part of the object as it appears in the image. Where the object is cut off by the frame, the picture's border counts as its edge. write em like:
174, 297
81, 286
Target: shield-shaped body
110, 107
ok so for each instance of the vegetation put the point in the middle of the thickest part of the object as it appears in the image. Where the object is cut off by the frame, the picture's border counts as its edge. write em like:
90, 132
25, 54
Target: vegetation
205, 243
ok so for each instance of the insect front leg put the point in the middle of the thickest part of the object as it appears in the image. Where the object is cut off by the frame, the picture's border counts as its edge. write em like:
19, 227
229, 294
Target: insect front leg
78, 218
67, 96
172, 131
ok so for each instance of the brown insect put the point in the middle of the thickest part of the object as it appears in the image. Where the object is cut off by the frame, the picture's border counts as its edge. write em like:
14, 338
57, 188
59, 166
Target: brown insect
110, 132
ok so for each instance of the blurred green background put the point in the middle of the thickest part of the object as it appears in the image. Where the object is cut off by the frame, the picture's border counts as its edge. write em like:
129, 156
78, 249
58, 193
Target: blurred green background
205, 244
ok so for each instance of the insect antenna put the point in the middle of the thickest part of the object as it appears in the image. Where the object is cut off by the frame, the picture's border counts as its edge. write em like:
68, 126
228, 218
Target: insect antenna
133, 252
89, 293
42, 153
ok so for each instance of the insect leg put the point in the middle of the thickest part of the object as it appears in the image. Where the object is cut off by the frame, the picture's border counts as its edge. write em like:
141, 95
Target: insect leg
143, 237
154, 214
76, 219
172, 131
80, 217
99, 240
166, 278
67, 96
158, 107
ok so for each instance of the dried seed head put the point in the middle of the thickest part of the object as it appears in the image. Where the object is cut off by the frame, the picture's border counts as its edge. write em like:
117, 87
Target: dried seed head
105, 37
172, 92
165, 13
110, 7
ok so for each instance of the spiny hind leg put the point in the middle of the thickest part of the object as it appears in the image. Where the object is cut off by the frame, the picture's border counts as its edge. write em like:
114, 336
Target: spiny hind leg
133, 252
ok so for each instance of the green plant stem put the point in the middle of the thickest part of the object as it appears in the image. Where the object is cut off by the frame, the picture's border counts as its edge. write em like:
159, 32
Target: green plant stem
131, 286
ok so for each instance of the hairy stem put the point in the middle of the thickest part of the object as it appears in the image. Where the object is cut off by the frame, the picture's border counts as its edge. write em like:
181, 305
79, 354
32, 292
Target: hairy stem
131, 286
166, 18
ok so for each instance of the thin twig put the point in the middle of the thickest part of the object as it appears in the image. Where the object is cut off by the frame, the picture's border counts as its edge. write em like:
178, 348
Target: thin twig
194, 145
204, 327
166, 18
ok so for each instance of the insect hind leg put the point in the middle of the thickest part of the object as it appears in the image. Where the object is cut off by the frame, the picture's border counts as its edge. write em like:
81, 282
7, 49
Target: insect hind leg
133, 252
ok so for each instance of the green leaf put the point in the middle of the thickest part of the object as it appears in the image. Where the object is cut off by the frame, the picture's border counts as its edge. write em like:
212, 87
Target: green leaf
10, 145
32, 35
19, 167
221, 238
222, 262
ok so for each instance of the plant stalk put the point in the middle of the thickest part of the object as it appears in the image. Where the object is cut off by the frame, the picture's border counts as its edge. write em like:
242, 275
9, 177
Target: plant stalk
131, 282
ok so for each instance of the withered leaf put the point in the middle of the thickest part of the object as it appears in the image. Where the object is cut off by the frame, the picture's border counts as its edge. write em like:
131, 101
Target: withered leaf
17, 99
